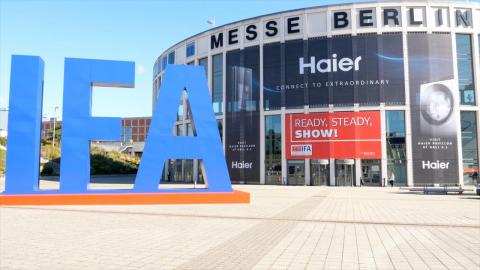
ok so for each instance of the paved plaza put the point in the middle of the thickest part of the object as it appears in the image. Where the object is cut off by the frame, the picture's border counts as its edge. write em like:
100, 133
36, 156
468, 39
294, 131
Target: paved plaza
282, 228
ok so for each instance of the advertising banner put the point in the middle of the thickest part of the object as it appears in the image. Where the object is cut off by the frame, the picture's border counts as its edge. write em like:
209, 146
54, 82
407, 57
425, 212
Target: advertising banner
433, 97
366, 69
242, 118
333, 135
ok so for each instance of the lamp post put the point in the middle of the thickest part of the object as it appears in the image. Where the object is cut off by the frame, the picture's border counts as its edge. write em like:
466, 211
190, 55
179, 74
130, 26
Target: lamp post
211, 21
54, 125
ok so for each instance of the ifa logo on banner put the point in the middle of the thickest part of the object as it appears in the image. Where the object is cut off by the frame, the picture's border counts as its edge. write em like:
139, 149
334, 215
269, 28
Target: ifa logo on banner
79, 128
301, 150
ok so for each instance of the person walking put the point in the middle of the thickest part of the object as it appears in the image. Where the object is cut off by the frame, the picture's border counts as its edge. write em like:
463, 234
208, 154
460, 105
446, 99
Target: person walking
391, 179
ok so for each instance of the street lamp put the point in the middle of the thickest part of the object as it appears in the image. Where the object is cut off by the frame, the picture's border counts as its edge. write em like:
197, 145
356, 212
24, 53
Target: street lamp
54, 124
211, 21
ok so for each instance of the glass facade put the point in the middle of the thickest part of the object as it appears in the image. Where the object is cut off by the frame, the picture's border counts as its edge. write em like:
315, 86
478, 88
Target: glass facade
183, 170
469, 148
127, 134
273, 149
217, 83
465, 69
337, 70
396, 148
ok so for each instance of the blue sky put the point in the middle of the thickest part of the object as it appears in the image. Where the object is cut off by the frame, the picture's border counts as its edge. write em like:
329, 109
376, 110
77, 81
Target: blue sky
116, 30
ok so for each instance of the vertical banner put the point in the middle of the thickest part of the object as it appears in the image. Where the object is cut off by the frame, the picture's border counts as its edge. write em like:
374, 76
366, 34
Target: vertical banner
333, 135
433, 93
242, 118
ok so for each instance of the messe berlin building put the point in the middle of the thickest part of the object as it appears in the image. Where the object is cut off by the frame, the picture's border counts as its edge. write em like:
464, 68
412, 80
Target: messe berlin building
341, 95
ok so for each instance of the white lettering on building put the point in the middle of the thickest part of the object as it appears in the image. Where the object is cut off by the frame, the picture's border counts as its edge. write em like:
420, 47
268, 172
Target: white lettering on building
436, 165
329, 65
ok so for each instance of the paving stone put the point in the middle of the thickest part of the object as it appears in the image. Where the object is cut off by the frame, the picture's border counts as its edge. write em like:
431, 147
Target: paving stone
283, 228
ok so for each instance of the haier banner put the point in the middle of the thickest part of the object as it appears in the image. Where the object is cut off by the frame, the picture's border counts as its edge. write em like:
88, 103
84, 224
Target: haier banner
242, 118
366, 69
433, 97
333, 135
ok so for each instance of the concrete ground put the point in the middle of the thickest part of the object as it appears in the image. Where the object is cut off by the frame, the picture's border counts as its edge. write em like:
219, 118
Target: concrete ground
282, 228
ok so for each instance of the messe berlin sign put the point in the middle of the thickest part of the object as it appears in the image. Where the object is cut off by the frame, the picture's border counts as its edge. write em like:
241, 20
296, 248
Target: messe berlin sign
333, 135
79, 128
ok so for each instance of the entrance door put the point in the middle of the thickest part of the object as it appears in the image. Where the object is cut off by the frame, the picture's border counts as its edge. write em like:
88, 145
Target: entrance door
319, 172
296, 172
344, 172
371, 172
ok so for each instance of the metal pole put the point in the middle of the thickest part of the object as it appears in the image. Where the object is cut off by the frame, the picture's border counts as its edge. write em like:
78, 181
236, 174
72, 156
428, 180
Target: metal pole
54, 125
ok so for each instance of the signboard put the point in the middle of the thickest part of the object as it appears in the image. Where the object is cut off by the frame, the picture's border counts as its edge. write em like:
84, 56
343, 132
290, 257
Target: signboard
333, 135
434, 104
242, 117
366, 69
80, 128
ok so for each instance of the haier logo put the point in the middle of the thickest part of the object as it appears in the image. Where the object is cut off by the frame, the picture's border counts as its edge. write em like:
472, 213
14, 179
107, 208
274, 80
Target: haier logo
242, 165
429, 165
301, 150
329, 65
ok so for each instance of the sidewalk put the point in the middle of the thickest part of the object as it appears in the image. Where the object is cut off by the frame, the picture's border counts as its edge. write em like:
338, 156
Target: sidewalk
283, 228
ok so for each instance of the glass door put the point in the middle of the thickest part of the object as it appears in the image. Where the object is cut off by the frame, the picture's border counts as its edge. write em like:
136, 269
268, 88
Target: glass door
296, 172
344, 172
371, 172
319, 172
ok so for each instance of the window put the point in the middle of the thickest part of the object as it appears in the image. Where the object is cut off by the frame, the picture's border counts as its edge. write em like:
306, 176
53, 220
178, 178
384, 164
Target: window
396, 148
469, 148
465, 69
217, 83
204, 63
164, 62
191, 49
220, 128
156, 69
273, 149
171, 58
127, 134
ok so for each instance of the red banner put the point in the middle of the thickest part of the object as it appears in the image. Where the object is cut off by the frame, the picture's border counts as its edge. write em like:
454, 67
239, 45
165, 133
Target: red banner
333, 135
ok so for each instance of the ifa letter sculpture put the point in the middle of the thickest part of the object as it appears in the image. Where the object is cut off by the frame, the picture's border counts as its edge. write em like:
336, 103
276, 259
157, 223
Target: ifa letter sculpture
79, 128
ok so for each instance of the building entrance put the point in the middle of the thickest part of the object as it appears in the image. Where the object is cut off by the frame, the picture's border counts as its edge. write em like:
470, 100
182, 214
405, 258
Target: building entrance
344, 172
296, 172
319, 172
371, 172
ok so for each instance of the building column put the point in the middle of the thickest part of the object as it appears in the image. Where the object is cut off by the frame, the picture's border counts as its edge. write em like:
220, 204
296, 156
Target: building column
307, 172
383, 128
457, 111
358, 171
332, 172
262, 123
284, 156
408, 122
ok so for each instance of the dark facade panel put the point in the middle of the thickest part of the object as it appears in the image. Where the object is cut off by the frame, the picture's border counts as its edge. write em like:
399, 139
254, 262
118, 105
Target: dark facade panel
242, 117
433, 104
342, 70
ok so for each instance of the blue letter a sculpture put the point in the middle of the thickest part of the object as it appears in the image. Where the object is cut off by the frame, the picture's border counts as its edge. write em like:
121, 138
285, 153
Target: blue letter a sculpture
161, 145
